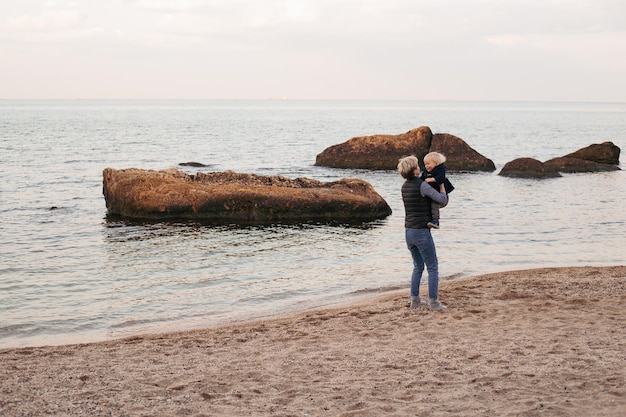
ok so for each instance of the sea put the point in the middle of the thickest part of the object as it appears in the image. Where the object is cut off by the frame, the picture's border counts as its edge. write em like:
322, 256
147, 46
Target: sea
71, 274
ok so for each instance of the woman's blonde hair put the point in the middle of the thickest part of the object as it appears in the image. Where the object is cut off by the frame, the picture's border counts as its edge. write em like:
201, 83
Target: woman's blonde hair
407, 166
436, 157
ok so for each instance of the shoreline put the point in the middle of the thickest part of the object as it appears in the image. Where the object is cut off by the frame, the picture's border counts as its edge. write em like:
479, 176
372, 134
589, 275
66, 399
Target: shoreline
193, 324
546, 341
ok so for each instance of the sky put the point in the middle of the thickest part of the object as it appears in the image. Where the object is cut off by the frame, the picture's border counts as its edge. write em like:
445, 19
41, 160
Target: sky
512, 50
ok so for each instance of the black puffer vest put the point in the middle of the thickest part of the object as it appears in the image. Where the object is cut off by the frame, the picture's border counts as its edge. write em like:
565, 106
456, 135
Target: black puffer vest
416, 207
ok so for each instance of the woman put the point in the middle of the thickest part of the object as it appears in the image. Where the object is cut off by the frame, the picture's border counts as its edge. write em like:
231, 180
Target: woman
417, 196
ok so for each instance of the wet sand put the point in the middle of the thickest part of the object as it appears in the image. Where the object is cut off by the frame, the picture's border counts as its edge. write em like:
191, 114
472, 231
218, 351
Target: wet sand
541, 342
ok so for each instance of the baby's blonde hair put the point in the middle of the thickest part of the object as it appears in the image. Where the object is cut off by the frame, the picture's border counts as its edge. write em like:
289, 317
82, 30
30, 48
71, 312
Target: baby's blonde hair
436, 157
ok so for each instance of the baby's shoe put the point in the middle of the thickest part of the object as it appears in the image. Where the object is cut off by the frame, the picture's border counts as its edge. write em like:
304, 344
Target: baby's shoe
433, 224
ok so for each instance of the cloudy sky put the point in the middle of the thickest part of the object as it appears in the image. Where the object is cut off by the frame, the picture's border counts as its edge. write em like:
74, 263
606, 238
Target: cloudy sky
543, 50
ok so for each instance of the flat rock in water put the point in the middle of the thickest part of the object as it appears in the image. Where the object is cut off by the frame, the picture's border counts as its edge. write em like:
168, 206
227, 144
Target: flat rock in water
239, 198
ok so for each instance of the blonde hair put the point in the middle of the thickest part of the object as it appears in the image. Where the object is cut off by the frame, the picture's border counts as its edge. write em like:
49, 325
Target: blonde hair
436, 157
407, 166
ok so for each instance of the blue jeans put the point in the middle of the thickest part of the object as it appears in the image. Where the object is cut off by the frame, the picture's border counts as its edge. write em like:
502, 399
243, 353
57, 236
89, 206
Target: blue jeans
422, 247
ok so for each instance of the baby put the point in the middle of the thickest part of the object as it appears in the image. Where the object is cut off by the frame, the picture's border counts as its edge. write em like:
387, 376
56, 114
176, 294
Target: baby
435, 174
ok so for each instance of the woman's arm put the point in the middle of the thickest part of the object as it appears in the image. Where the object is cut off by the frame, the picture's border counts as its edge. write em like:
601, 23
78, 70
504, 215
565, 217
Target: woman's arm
438, 197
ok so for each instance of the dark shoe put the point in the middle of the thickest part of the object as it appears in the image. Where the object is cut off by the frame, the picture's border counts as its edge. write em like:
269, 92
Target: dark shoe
436, 305
433, 224
417, 302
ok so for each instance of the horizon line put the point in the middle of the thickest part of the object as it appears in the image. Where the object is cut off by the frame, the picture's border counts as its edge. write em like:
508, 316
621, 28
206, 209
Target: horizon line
312, 99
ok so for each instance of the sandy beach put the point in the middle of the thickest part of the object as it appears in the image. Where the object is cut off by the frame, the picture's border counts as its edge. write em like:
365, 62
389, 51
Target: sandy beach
541, 342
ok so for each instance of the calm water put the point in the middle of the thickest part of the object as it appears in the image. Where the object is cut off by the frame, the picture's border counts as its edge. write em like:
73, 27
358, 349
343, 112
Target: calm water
67, 274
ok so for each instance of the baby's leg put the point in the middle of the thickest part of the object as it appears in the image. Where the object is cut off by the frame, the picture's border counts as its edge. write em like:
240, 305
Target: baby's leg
434, 210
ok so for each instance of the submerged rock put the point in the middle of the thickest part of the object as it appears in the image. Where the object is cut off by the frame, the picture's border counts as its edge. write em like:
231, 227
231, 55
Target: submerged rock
193, 164
235, 197
384, 151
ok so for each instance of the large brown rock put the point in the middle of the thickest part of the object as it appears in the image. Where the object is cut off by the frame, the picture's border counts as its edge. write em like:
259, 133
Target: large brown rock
572, 165
528, 168
602, 153
232, 197
376, 151
597, 157
384, 151
460, 156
